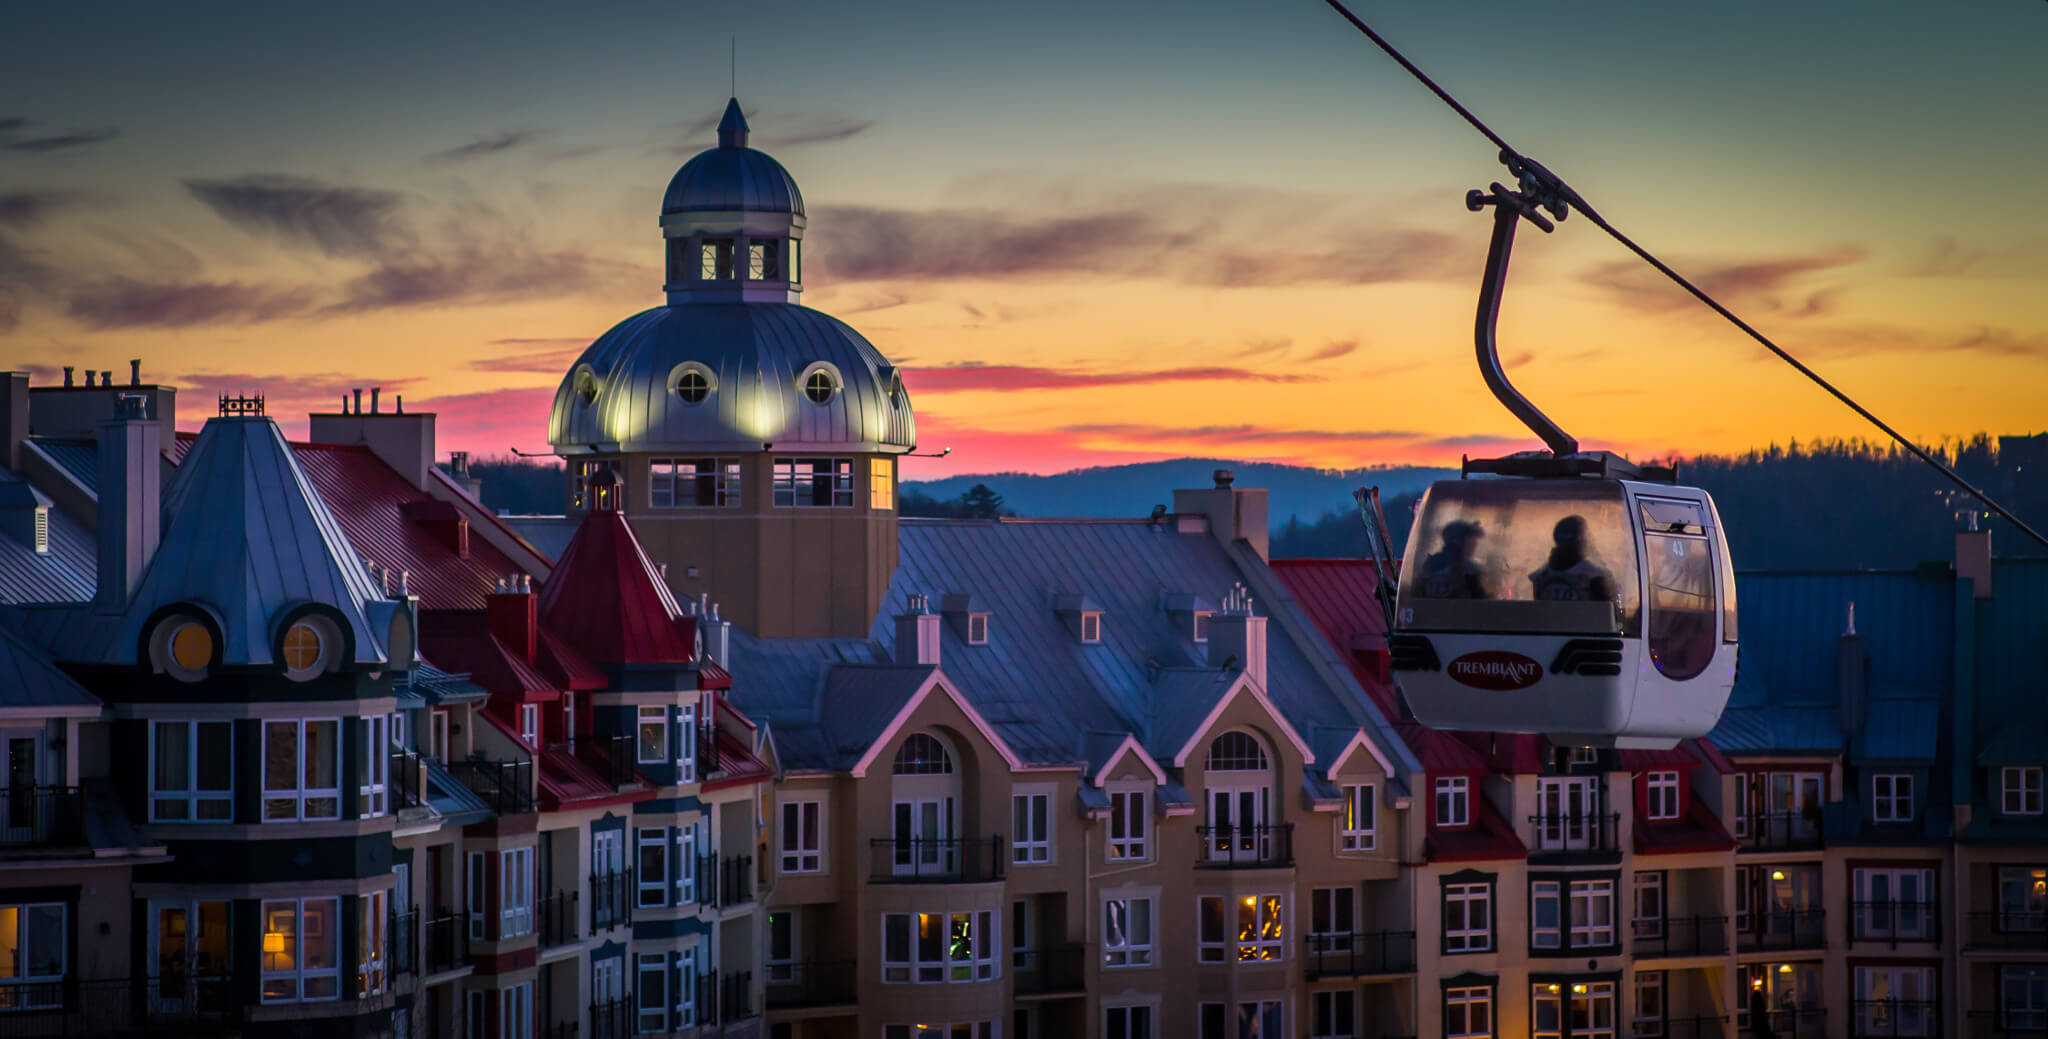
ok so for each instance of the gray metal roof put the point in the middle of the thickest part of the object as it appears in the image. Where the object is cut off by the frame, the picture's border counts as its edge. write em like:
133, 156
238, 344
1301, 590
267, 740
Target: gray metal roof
757, 356
64, 574
79, 459
732, 177
1050, 697
29, 679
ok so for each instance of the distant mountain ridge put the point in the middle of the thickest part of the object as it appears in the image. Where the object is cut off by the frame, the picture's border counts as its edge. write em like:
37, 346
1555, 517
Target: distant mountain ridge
1132, 490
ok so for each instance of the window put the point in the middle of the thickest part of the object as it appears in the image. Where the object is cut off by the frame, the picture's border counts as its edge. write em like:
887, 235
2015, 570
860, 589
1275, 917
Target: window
1127, 932
2023, 997
1894, 903
803, 837
301, 769
515, 892
794, 268
1262, 1019
686, 865
191, 651
1468, 917
1127, 825
476, 893
529, 723
373, 793
2022, 899
921, 755
1648, 1021
1214, 1020
781, 961
2020, 789
1332, 920
1031, 826
764, 260
1260, 924
947, 1030
1333, 1014
693, 483
1453, 801
686, 989
1585, 756
1891, 798
1566, 817
1201, 625
653, 735
814, 483
1791, 997
515, 1011
33, 942
1091, 627
1128, 1022
1792, 806
1895, 1000
882, 484
1592, 906
1663, 795
1468, 1013
819, 386
686, 744
931, 948
716, 265
693, 385
301, 949
191, 771
1590, 1005
1020, 934
301, 649
977, 629
1742, 804
373, 912
1211, 945
653, 880
1546, 915
1649, 905
652, 1005
1355, 832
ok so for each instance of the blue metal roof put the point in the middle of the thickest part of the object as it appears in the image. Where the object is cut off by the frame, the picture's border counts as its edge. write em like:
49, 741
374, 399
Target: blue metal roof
66, 573
79, 459
1900, 730
732, 177
28, 679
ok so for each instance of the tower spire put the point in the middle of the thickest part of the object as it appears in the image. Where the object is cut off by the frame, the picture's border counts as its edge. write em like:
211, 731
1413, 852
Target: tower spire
732, 127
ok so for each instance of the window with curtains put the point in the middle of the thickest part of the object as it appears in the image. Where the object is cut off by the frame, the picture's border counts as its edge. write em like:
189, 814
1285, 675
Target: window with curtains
1126, 932
34, 946
1356, 830
191, 771
301, 948
803, 837
301, 769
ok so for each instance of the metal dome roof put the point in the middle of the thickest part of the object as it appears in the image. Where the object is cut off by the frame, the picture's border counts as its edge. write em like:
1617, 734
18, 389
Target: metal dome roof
621, 395
732, 176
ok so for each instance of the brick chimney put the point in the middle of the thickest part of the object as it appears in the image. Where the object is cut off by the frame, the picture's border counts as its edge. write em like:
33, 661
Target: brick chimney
513, 616
917, 633
131, 450
1238, 637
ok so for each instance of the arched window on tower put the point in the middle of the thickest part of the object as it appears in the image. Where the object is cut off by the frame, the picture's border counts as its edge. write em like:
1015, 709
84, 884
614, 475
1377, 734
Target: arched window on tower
925, 793
714, 259
1238, 777
764, 260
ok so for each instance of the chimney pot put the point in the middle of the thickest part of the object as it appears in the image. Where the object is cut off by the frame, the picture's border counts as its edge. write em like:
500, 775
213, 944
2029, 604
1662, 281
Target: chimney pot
135, 372
1224, 478
359, 400
107, 379
398, 403
67, 374
374, 391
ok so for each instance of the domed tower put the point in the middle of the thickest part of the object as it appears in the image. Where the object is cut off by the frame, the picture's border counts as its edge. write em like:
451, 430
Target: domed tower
756, 439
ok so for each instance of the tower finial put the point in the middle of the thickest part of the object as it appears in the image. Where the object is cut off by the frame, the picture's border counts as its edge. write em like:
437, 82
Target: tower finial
732, 127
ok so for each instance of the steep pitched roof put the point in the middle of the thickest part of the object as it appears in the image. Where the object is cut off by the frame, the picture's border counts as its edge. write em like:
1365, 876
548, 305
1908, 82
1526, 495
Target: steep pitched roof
31, 683
63, 574
606, 598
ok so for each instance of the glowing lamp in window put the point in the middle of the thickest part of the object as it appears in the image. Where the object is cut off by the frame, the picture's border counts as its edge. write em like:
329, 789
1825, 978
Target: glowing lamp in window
192, 647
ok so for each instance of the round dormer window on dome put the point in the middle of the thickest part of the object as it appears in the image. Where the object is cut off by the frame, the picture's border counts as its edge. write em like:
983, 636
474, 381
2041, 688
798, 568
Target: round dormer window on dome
820, 383
692, 383
586, 386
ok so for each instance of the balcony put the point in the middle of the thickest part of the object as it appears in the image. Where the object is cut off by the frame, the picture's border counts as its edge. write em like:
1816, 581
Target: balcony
183, 1006
557, 918
41, 816
1894, 922
1570, 835
1674, 936
1800, 1023
405, 944
2009, 929
612, 1019
1246, 847
611, 900
1916, 1018
1782, 831
727, 998
562, 1030
408, 780
1785, 929
447, 944
817, 983
1695, 1026
1055, 970
727, 881
2008, 1024
1360, 954
506, 786
927, 860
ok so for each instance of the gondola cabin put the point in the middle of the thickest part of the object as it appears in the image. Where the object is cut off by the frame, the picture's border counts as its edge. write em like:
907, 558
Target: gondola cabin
1599, 612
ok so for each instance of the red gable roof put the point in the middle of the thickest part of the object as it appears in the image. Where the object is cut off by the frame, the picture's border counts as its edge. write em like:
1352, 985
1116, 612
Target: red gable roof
606, 599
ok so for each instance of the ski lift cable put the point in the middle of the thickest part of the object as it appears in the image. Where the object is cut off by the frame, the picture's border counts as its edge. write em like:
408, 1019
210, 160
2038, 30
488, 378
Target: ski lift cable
1518, 162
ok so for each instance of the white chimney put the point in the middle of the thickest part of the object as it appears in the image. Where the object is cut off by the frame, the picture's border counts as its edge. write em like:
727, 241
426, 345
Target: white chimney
917, 633
131, 450
1237, 639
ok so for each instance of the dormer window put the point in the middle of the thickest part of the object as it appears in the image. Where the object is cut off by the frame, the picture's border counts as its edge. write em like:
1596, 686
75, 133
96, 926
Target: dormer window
977, 629
764, 260
715, 259
1091, 628
1201, 631
820, 383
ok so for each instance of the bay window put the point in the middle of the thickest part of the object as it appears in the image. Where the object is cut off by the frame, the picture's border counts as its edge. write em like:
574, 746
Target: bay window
373, 914
515, 892
932, 948
301, 769
34, 940
301, 949
191, 772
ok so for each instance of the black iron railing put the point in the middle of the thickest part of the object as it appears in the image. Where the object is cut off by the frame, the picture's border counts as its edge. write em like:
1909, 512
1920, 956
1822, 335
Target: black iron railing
1785, 929
447, 943
1575, 832
2009, 929
1691, 1026
611, 900
1246, 847
1052, 970
1360, 953
507, 786
41, 816
184, 1005
1800, 1023
1894, 922
1782, 831
563, 1030
612, 1019
405, 943
2008, 1024
736, 880
811, 984
558, 923
926, 860
408, 780
735, 996
1680, 936
1918, 1018
618, 754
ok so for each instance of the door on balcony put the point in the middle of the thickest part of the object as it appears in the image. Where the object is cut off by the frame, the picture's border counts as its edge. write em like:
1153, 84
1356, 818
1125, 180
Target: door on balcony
1793, 811
1567, 814
189, 951
1895, 1001
23, 755
1895, 903
925, 789
1239, 780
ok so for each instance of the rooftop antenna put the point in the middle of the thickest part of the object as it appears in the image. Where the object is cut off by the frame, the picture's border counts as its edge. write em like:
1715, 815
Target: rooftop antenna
735, 67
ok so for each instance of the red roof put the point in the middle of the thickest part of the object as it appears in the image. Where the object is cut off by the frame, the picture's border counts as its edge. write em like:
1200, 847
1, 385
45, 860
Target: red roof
1698, 830
738, 764
461, 641
1489, 837
606, 599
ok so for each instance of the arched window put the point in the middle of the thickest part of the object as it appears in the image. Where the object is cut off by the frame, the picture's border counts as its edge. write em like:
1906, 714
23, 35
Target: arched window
1236, 752
922, 755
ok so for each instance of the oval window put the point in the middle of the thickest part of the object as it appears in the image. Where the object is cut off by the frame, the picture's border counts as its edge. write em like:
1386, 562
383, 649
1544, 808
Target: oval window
819, 387
693, 387
301, 648
192, 647
586, 387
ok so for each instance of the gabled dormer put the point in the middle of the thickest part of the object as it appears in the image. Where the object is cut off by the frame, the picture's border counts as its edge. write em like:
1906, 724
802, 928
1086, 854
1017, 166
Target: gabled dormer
1082, 616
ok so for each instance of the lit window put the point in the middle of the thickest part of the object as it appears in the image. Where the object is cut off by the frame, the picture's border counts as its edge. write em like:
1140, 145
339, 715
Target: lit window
1468, 917
802, 837
764, 260
373, 912
948, 947
1891, 798
301, 949
1453, 801
301, 769
1591, 1006
1468, 1013
814, 483
301, 648
1585, 755
1257, 935
2020, 789
1127, 825
1662, 788
34, 938
819, 386
192, 647
1127, 932
191, 772
2022, 899
1356, 832
1031, 828
715, 256
795, 270
653, 742
882, 484
693, 483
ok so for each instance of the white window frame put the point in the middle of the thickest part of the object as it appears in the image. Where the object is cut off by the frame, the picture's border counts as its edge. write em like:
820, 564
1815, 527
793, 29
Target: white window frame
475, 893
1262, 943
299, 974
1473, 895
686, 988
646, 717
1126, 953
686, 743
799, 856
28, 990
781, 969
1127, 812
983, 961
1594, 894
373, 794
1133, 1020
1453, 801
1891, 797
1742, 804
1468, 997
193, 797
1324, 1019
1648, 895
1875, 923
685, 866
651, 979
299, 794
515, 892
1541, 935
977, 629
529, 725
650, 882
882, 484
2029, 981
1357, 828
787, 476
1925, 1020
665, 479
1649, 1026
373, 915
1032, 825
1091, 627
2019, 788
1661, 795
515, 1011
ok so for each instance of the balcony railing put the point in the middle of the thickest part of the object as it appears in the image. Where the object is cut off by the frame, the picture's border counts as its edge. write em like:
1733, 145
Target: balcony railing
41, 816
1680, 936
1360, 953
1567, 833
1918, 1018
1785, 929
615, 756
1894, 922
820, 983
183, 1006
612, 1019
1692, 1026
1055, 969
405, 943
927, 860
2010, 929
507, 786
447, 943
408, 780
725, 998
557, 918
1782, 831
2008, 1024
1246, 847
611, 900
1800, 1023
727, 880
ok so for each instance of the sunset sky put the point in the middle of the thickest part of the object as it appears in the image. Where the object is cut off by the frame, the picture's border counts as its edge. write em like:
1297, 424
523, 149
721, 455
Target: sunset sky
1092, 232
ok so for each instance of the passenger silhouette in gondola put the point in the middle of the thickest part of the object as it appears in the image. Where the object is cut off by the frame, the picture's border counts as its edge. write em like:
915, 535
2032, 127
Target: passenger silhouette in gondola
1568, 576
1451, 572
